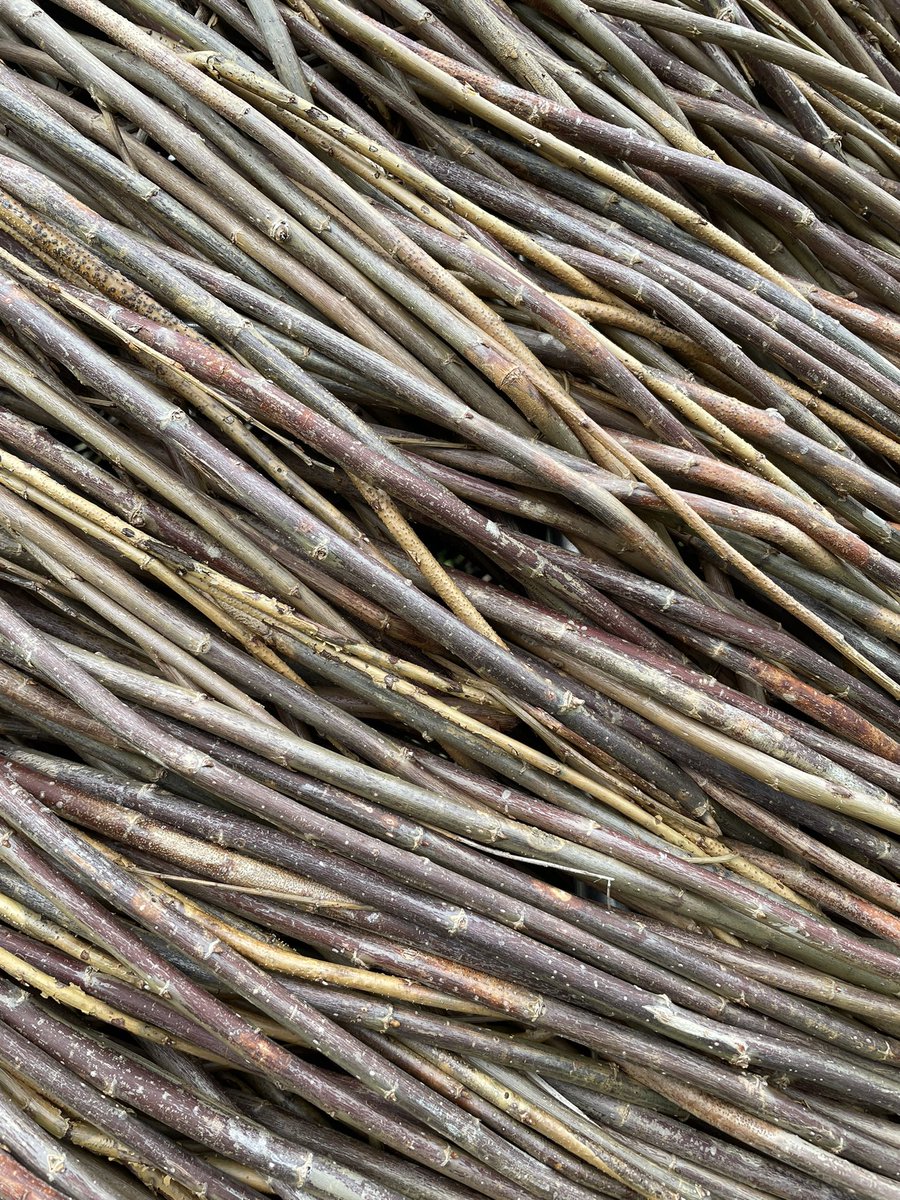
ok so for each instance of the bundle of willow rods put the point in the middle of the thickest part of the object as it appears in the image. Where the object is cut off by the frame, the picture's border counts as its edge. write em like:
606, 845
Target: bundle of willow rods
450, 599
